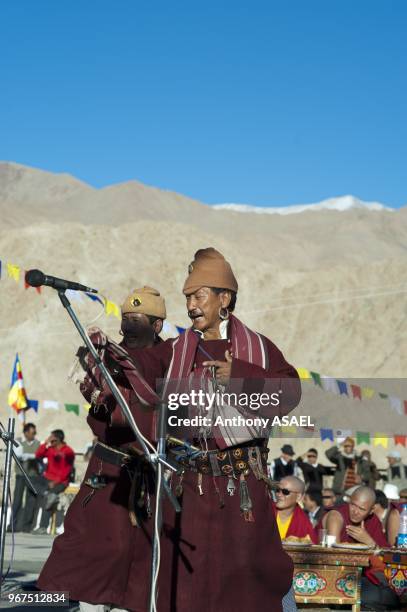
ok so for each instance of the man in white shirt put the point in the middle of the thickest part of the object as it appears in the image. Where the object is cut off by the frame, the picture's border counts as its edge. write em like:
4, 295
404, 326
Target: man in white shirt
23, 514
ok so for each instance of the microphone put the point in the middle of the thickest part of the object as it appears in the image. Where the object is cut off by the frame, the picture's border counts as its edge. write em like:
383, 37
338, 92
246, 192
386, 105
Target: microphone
36, 278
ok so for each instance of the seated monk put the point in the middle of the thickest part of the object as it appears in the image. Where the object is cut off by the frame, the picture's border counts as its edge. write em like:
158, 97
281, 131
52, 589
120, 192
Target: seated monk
357, 522
292, 521
389, 515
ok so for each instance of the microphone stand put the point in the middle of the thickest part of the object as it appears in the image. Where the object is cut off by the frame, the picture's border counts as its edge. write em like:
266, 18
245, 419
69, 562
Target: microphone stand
157, 460
8, 439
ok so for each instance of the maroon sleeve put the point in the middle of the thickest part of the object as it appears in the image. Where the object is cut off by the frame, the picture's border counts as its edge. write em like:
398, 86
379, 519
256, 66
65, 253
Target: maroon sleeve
278, 376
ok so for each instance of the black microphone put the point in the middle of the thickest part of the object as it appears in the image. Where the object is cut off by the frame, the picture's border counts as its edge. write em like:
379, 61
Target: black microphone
36, 278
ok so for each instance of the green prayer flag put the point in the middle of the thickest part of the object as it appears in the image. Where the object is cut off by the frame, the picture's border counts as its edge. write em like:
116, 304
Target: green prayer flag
383, 395
72, 408
316, 378
362, 436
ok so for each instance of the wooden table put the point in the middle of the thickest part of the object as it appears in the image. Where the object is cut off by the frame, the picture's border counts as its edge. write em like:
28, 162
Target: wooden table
396, 572
328, 575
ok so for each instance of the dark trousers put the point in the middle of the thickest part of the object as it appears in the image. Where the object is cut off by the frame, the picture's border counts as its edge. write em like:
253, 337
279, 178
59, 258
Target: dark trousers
379, 596
24, 504
43, 488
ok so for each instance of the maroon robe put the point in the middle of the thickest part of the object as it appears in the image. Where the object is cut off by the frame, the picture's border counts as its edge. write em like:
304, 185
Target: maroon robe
372, 525
300, 525
211, 559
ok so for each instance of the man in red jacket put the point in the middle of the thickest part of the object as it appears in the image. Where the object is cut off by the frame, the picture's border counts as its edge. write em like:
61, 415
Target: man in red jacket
60, 459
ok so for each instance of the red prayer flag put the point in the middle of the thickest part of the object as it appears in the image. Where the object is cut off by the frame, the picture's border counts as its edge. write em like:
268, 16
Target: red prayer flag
356, 391
405, 406
400, 440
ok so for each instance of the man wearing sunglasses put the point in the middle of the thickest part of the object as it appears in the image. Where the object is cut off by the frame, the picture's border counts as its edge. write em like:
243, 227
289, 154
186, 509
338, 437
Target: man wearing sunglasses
291, 518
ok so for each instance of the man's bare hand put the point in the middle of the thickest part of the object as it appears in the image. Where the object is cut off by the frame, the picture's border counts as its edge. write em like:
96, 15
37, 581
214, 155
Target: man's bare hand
223, 368
360, 534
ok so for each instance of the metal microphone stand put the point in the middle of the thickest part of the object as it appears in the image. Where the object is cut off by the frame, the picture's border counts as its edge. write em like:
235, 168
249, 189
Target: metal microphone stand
8, 439
157, 460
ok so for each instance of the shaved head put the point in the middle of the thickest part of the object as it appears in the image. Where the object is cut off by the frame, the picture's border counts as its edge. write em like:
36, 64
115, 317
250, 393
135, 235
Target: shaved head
294, 483
361, 504
364, 494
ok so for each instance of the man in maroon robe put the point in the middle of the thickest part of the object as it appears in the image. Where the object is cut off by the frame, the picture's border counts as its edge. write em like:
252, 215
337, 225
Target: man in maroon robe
223, 552
291, 518
357, 522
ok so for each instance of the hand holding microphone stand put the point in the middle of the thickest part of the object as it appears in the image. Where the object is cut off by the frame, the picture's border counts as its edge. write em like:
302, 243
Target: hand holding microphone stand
157, 458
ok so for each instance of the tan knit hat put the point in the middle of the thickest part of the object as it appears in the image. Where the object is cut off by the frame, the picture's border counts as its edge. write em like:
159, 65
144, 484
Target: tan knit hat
146, 301
209, 269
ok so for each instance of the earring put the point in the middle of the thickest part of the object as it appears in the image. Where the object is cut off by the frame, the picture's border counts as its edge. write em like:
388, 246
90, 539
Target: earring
223, 314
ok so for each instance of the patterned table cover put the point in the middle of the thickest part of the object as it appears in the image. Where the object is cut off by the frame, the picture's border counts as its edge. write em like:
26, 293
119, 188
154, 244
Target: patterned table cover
328, 575
396, 571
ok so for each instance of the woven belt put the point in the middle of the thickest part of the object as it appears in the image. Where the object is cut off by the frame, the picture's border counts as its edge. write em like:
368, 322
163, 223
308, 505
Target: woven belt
112, 455
231, 462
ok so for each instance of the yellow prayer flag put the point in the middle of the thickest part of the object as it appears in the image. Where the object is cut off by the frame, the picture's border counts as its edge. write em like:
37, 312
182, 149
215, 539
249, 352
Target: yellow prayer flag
13, 271
86, 407
367, 393
289, 429
380, 440
303, 373
112, 308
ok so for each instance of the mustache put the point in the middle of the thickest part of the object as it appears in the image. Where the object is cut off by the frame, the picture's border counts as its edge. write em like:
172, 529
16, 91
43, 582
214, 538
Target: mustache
192, 314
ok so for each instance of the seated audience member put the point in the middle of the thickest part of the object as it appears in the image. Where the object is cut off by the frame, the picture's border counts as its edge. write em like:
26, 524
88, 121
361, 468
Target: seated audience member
55, 479
313, 506
357, 522
329, 499
391, 491
291, 518
312, 470
389, 516
403, 496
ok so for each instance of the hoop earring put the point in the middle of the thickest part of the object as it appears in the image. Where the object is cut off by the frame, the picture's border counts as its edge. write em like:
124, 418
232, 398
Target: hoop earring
223, 314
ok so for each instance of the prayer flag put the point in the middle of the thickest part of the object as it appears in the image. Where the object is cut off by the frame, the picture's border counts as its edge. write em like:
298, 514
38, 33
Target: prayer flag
13, 271
383, 395
94, 298
33, 404
50, 405
367, 393
72, 408
326, 434
180, 330
316, 378
400, 440
112, 308
343, 387
17, 396
362, 437
356, 391
405, 406
380, 440
329, 384
395, 403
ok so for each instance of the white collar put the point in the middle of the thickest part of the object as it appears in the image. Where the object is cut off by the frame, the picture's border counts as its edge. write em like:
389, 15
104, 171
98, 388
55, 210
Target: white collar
223, 330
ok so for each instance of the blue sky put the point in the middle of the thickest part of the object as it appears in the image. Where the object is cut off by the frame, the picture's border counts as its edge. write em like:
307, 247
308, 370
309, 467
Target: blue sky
264, 102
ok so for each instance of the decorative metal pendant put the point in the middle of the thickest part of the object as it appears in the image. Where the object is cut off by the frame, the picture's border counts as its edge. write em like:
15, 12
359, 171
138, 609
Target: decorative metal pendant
231, 487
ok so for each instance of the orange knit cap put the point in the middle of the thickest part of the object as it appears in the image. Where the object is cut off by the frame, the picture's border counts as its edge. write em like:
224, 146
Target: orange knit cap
209, 269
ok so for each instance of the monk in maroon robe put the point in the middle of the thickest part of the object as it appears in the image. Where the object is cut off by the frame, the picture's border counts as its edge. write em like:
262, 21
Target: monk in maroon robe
223, 552
291, 518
